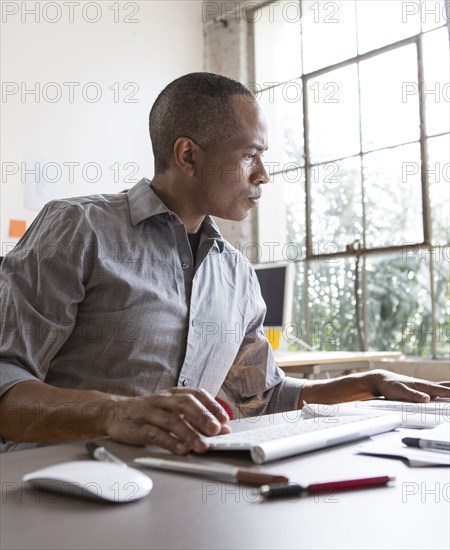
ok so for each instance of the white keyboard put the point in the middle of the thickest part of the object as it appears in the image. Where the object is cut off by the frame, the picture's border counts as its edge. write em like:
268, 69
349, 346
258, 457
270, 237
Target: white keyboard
285, 438
237, 441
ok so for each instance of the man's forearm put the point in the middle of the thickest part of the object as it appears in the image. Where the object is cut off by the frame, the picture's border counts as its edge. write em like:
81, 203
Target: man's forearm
375, 383
353, 387
174, 418
34, 411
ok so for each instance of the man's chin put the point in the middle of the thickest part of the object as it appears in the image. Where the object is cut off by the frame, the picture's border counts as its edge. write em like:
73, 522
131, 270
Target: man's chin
233, 216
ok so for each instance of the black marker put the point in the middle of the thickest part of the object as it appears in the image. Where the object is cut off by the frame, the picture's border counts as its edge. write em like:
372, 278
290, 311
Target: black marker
427, 444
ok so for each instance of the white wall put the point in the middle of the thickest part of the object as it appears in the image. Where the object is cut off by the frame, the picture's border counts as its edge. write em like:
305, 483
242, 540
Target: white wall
90, 45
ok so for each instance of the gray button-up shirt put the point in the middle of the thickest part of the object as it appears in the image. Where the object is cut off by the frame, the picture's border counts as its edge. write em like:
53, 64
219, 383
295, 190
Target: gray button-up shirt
103, 293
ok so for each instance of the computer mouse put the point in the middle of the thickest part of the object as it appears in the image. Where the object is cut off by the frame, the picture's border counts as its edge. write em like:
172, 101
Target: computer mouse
94, 480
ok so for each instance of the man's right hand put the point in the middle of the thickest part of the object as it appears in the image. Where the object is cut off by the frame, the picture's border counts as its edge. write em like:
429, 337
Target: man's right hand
174, 419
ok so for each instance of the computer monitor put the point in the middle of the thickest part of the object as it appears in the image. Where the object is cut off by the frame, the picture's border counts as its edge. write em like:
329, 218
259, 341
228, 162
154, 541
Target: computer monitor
277, 288
277, 283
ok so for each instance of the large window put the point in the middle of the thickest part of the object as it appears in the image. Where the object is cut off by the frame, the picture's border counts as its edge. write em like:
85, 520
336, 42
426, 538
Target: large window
357, 95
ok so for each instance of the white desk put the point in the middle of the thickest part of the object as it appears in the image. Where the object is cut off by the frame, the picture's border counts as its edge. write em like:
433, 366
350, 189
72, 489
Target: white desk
188, 512
313, 363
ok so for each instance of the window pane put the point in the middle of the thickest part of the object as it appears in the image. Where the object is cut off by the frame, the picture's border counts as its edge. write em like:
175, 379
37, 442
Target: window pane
283, 106
436, 88
277, 43
434, 13
382, 22
329, 33
336, 205
393, 202
295, 217
441, 277
299, 309
331, 301
438, 175
281, 218
333, 115
388, 115
399, 304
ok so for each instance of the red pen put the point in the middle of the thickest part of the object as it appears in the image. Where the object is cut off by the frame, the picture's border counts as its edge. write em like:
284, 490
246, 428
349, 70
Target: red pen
283, 490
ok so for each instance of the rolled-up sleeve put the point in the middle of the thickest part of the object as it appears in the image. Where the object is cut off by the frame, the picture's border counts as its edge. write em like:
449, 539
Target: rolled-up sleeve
41, 284
255, 383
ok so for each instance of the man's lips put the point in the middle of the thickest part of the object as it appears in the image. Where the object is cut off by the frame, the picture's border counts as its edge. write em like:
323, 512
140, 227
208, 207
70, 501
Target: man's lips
253, 200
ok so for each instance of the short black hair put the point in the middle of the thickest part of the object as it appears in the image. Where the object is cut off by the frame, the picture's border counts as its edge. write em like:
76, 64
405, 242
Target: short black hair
198, 106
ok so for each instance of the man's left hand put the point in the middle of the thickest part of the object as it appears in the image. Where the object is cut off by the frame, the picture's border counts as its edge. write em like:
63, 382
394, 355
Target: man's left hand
406, 388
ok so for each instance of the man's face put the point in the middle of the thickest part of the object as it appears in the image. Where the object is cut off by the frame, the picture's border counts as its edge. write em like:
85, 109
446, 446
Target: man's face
232, 175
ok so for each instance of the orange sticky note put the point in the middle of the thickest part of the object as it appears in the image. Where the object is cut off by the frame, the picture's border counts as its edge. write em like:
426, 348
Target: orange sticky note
17, 228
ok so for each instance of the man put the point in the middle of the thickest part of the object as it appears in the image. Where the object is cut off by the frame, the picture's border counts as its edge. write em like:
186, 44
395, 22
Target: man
123, 315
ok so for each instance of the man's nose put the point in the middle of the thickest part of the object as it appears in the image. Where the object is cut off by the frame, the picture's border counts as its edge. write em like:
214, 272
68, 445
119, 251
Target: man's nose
261, 175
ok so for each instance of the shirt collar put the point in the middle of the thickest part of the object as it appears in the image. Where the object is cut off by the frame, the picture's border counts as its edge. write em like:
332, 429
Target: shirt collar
211, 231
144, 204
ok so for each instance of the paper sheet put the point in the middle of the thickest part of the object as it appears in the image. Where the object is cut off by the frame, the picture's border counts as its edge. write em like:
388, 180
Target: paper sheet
390, 445
413, 415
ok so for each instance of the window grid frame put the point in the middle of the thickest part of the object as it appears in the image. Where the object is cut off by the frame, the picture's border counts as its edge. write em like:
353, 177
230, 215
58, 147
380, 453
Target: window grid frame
362, 253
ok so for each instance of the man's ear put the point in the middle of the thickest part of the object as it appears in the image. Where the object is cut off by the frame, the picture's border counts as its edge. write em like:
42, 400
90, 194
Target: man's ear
186, 155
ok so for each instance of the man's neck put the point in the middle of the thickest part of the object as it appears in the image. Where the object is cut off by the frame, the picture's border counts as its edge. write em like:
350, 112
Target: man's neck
169, 192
